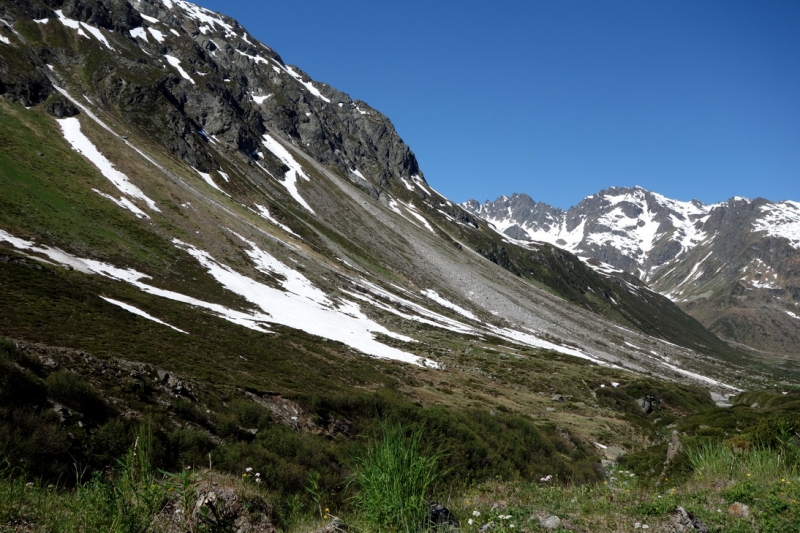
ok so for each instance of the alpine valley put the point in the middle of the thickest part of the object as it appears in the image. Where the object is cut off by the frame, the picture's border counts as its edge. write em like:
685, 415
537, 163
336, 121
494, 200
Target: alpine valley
197, 237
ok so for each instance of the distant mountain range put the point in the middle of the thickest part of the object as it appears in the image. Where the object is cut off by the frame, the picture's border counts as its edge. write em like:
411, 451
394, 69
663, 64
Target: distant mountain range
734, 265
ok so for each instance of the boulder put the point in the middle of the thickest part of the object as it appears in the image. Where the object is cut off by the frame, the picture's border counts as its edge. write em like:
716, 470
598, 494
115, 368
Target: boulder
740, 510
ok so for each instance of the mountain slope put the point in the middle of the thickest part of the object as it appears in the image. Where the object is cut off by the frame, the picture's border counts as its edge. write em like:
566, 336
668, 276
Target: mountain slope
186, 174
732, 265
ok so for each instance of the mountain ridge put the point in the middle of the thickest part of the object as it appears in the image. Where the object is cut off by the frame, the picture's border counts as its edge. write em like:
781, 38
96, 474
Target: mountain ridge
666, 242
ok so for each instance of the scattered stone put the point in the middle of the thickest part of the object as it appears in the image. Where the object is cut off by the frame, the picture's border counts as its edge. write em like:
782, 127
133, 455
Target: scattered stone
648, 403
61, 108
441, 518
613, 453
551, 409
559, 398
684, 521
487, 527
550, 522
740, 510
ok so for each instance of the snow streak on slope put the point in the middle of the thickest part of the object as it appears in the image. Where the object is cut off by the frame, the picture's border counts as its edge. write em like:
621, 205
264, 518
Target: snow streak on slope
307, 84
71, 128
135, 311
264, 213
302, 306
433, 295
175, 62
207, 178
295, 170
781, 219
124, 203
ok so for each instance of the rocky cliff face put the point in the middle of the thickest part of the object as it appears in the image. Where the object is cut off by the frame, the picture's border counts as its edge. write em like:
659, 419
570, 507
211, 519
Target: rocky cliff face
732, 265
186, 75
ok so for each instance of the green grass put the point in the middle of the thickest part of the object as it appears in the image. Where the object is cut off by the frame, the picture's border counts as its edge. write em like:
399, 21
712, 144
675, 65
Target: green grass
393, 480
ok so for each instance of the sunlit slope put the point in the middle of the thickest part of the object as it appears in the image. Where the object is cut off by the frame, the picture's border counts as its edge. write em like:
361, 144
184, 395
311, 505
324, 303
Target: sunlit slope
185, 160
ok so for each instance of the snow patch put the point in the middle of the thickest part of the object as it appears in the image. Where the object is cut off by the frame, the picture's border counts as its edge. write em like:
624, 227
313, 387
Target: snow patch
264, 213
781, 219
295, 170
124, 203
157, 35
71, 128
139, 33
135, 311
207, 179
303, 306
259, 99
433, 295
175, 62
307, 84
257, 59
80, 26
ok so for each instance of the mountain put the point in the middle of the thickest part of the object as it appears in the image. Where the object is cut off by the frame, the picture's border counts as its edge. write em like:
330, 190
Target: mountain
196, 234
732, 265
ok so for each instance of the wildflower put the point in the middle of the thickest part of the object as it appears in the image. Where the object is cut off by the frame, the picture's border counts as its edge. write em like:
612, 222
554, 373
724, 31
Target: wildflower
248, 469
548, 477
258, 474
244, 475
325, 517
470, 521
476, 513
748, 474
783, 480
29, 484
258, 480
188, 468
326, 509
511, 526
667, 479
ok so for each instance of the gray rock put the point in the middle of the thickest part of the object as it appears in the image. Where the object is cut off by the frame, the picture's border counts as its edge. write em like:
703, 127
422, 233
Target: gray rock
550, 522
613, 453
740, 510
683, 521
559, 398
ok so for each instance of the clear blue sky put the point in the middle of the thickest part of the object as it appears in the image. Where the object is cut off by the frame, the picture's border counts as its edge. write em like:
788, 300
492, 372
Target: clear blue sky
562, 98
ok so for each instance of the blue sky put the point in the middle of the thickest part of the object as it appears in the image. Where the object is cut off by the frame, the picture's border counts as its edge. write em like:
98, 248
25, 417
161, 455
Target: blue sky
562, 98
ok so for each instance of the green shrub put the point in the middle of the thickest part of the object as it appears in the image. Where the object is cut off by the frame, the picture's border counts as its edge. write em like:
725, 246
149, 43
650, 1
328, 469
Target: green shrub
392, 481
71, 389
